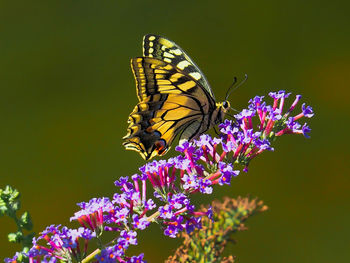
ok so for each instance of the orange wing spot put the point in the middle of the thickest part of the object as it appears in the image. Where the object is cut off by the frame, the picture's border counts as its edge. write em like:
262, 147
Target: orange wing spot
160, 147
149, 129
152, 122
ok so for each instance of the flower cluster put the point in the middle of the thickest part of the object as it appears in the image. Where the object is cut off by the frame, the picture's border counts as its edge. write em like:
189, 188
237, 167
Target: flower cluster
246, 140
202, 164
62, 243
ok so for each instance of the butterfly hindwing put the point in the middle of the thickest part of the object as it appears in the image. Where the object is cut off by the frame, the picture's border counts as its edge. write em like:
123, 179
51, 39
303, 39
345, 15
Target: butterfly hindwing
170, 102
165, 50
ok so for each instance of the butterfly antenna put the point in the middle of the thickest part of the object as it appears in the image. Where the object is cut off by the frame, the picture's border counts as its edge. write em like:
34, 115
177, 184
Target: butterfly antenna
231, 86
229, 91
234, 109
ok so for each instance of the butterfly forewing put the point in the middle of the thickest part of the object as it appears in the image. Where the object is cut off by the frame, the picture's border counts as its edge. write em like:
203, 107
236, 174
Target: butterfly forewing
167, 51
170, 102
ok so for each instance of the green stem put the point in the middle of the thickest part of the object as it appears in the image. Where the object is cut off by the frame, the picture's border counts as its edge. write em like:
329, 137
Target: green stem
91, 256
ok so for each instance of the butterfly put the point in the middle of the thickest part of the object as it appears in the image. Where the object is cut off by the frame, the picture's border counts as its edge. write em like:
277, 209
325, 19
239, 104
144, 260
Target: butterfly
174, 97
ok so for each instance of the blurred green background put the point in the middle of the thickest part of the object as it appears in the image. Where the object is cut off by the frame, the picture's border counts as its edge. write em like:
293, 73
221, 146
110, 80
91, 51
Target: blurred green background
67, 90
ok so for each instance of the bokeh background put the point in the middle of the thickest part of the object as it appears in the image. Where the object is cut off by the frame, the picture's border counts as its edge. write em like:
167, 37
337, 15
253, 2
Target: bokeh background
67, 89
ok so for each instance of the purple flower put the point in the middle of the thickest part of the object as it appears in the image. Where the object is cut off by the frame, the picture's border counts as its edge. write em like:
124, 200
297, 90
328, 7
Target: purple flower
67, 238
228, 128
229, 146
182, 164
210, 214
140, 223
121, 215
307, 111
190, 181
279, 94
216, 141
129, 237
174, 227
185, 146
263, 144
177, 201
306, 129
165, 212
136, 177
149, 205
119, 199
131, 194
36, 250
86, 234
123, 181
204, 186
108, 255
137, 259
245, 114
204, 140
52, 229
257, 100
245, 137
171, 231
151, 167
121, 246
275, 115
191, 225
227, 173
292, 125
226, 123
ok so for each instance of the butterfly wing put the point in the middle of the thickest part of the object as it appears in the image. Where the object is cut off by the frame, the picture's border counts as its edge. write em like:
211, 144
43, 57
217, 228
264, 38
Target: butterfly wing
171, 102
166, 50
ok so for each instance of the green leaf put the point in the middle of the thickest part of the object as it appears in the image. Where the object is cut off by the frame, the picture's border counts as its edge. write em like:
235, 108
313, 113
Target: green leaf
20, 257
16, 205
3, 208
9, 198
9, 193
26, 221
15, 237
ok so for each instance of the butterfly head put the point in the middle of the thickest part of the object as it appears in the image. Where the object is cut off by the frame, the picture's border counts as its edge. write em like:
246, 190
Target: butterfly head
222, 108
225, 105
